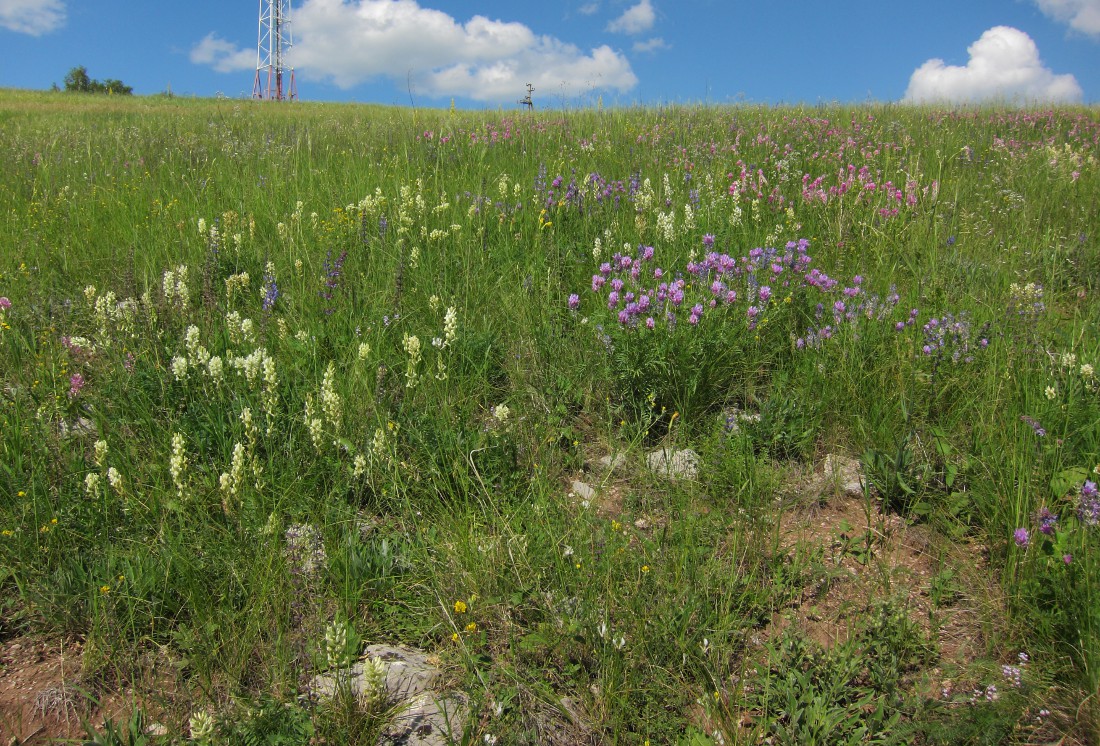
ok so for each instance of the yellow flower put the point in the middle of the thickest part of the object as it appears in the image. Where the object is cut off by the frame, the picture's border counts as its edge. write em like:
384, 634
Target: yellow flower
104, 589
460, 607
454, 637
21, 493
645, 568
615, 526
7, 532
471, 627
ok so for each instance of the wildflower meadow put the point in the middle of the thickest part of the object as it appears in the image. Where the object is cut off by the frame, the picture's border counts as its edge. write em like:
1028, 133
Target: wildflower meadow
673, 425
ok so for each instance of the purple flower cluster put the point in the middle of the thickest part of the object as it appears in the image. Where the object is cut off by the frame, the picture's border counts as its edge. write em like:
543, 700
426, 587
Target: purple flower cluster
76, 383
271, 292
332, 270
1047, 521
754, 285
1088, 504
1036, 426
950, 337
1022, 537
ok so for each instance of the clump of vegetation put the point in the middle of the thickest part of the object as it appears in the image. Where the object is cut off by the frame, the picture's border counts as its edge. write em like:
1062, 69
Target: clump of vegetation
77, 80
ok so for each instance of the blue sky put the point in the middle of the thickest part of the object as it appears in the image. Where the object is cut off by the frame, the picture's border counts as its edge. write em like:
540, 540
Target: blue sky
481, 53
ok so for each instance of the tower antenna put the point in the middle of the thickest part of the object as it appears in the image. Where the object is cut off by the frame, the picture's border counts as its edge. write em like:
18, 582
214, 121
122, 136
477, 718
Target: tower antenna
274, 79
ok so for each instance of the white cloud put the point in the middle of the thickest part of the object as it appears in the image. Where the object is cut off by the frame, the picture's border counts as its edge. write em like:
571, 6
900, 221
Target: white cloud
635, 20
1081, 15
650, 45
1004, 65
589, 9
224, 56
351, 41
34, 17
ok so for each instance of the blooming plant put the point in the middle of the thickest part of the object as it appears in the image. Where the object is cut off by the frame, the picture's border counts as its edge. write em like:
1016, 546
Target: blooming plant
685, 341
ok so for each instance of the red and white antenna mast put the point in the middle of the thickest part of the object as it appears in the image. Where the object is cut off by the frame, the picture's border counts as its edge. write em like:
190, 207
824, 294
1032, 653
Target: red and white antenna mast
274, 80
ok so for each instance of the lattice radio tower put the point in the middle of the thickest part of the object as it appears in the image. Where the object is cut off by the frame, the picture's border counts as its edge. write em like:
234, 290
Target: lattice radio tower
274, 80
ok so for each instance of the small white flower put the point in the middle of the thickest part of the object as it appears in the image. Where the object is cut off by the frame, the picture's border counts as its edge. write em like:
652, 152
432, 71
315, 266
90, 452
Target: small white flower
374, 682
1086, 370
115, 478
179, 368
214, 368
100, 452
359, 466
91, 482
201, 725
568, 551
1051, 392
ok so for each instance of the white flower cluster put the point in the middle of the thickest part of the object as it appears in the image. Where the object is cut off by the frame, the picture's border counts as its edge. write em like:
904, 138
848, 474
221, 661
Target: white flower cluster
235, 283
241, 331
174, 285
313, 423
111, 311
230, 482
411, 344
336, 644
114, 478
177, 464
373, 692
666, 225
331, 405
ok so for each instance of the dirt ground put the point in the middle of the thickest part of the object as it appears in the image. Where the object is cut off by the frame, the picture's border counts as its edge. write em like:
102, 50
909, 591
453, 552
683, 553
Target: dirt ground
44, 695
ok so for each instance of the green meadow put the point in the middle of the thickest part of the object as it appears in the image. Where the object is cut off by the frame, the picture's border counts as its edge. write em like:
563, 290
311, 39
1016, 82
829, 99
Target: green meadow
279, 382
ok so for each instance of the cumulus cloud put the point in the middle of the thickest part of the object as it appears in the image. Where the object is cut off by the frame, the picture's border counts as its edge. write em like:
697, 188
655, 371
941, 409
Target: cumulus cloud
1081, 15
588, 9
34, 17
351, 41
224, 56
634, 20
1004, 65
650, 45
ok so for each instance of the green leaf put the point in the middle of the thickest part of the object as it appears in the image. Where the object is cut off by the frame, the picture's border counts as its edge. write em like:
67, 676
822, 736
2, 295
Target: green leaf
1065, 480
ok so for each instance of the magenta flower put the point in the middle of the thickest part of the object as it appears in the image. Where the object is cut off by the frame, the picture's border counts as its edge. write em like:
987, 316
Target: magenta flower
76, 383
574, 302
5, 304
1021, 537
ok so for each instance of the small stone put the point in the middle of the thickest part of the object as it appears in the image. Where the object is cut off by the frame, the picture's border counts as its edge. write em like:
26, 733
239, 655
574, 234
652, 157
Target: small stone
79, 426
408, 674
428, 720
156, 730
683, 464
641, 524
612, 462
845, 473
583, 491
